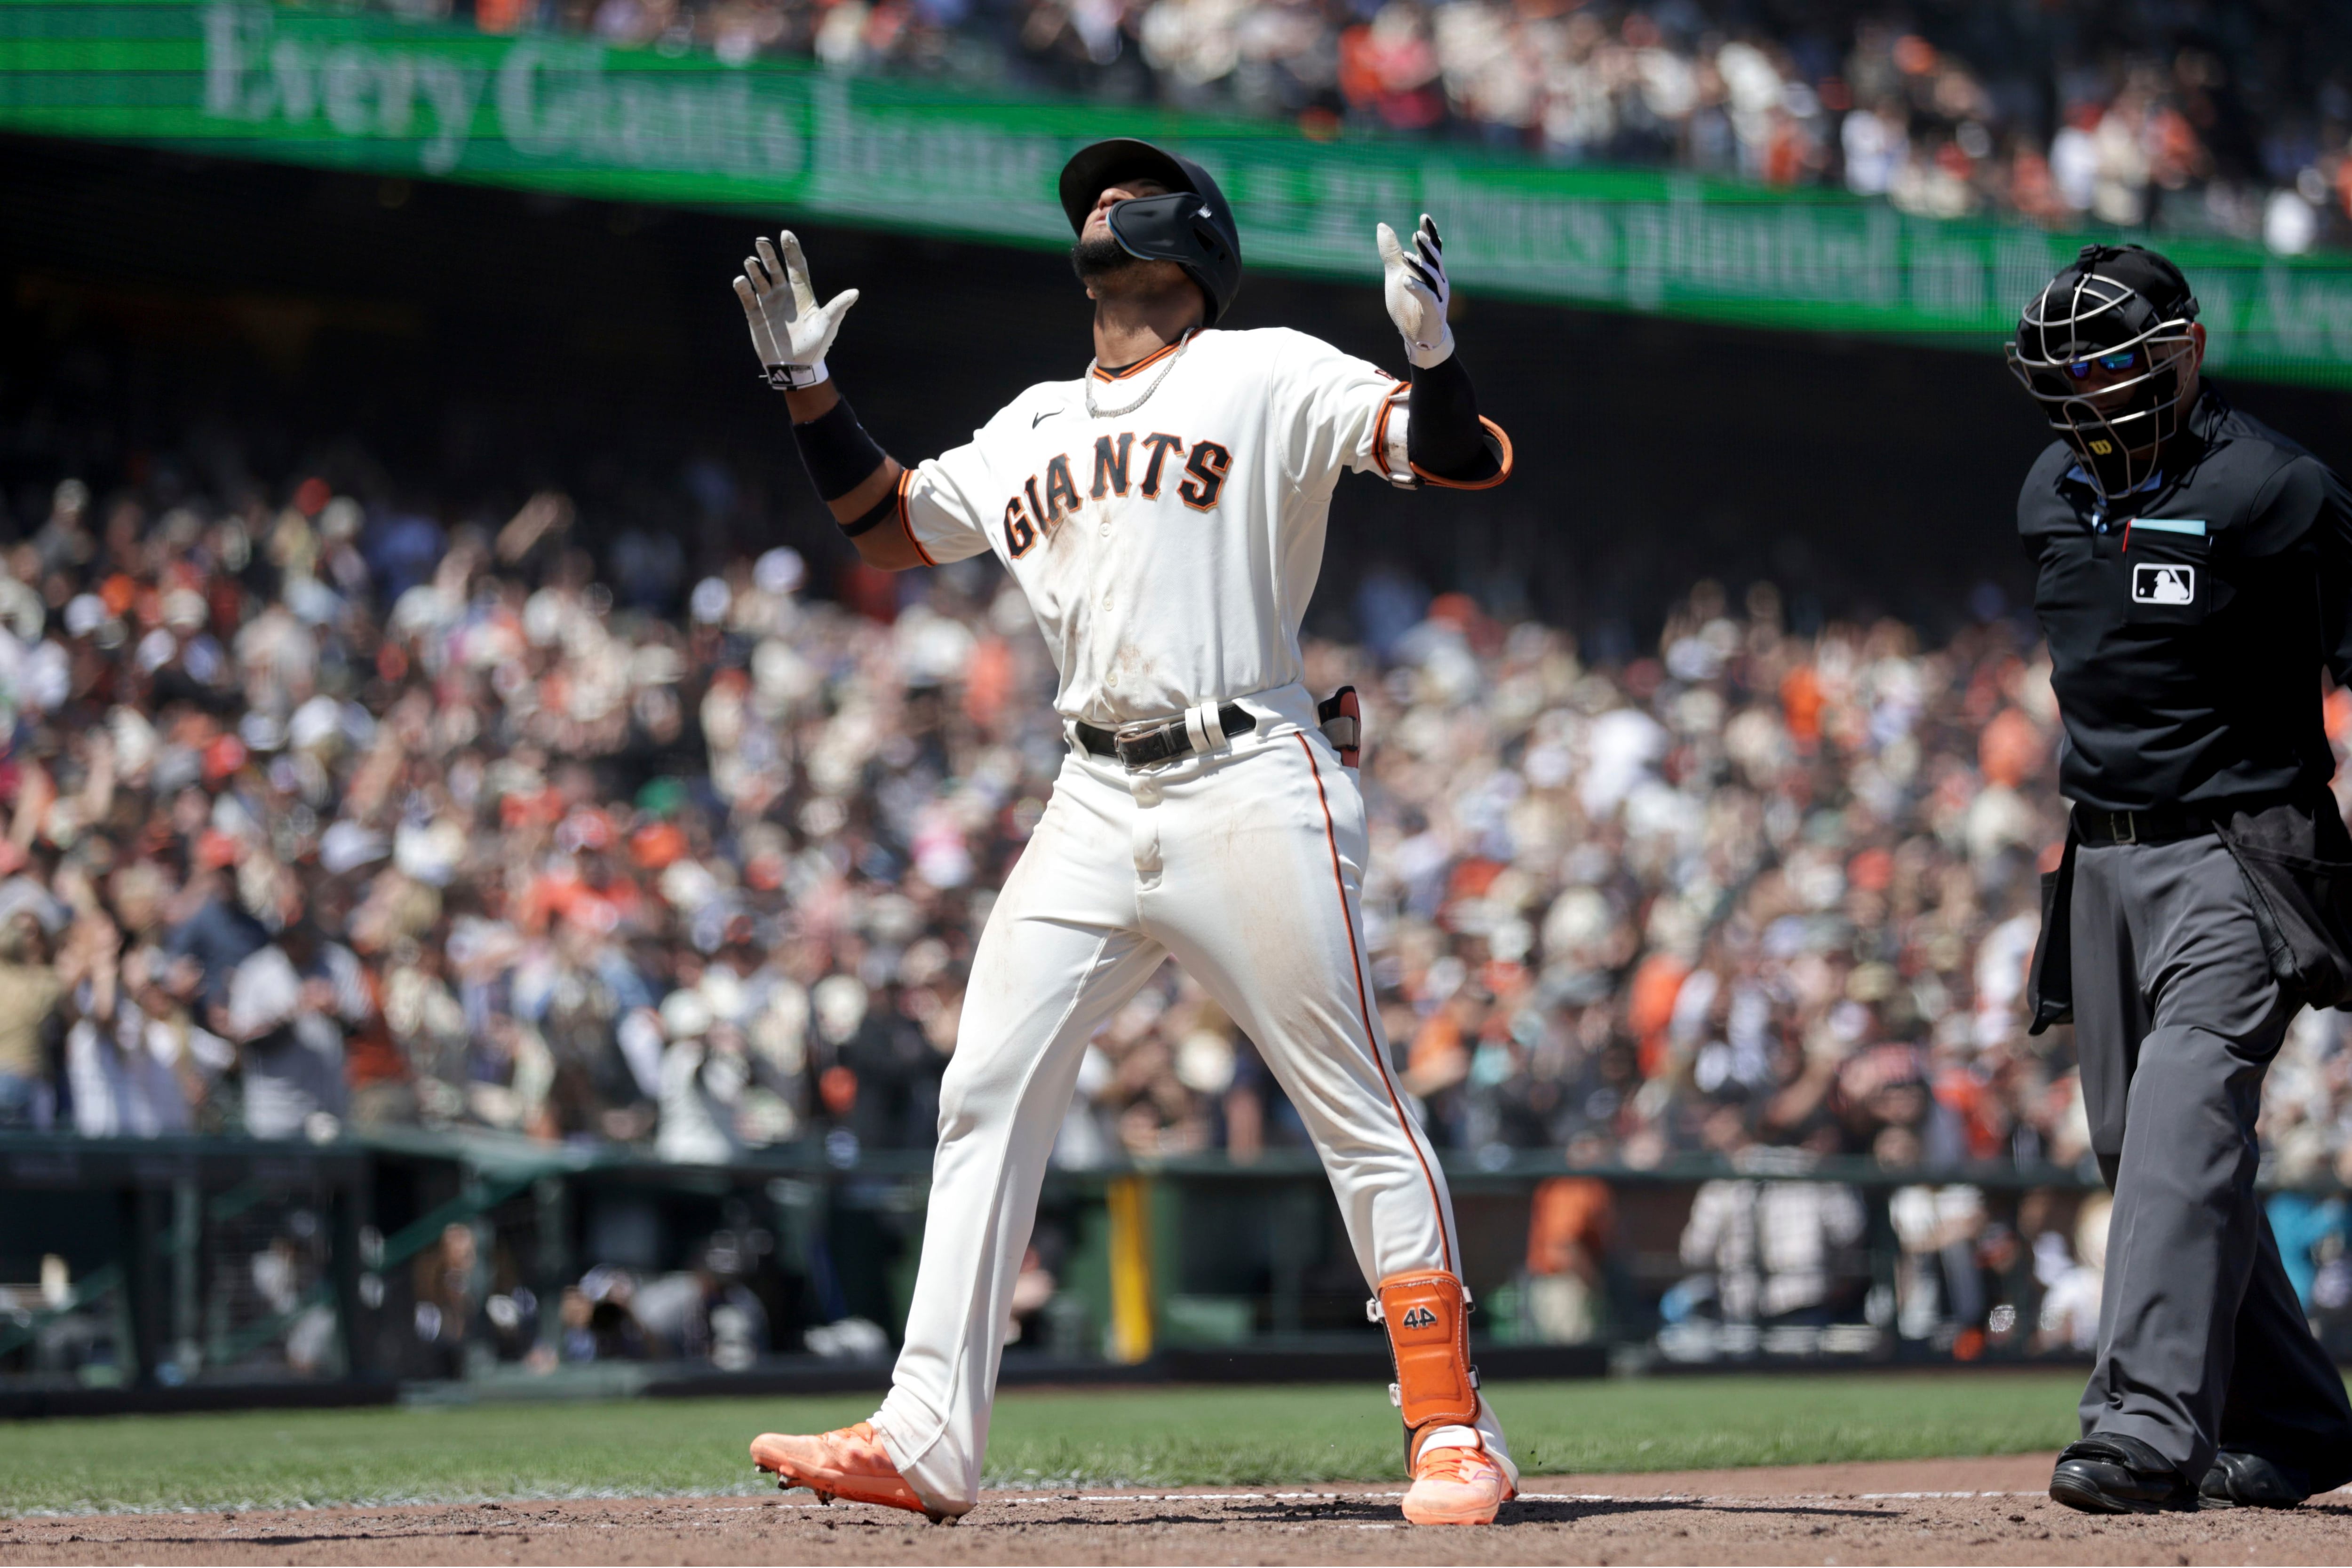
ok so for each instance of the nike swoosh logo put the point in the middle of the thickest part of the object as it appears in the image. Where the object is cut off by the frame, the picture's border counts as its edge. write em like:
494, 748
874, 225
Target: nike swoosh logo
1037, 419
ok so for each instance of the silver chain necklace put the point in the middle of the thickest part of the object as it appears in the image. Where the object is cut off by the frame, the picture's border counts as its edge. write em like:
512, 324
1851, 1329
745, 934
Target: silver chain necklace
1095, 412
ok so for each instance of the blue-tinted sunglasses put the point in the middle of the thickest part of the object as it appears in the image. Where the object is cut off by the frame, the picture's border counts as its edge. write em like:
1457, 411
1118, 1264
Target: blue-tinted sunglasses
2122, 359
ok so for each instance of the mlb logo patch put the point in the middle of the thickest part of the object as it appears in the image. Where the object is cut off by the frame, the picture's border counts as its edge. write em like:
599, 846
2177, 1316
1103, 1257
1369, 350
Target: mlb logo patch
2162, 584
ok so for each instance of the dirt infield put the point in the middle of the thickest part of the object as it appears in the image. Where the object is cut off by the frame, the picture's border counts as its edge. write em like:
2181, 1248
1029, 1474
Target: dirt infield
1957, 1511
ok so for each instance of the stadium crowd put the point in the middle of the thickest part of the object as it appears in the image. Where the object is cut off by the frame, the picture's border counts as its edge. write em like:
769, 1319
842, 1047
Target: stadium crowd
2118, 112
318, 815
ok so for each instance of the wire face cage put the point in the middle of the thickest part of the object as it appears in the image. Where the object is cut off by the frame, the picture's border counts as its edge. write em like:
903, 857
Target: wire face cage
2105, 366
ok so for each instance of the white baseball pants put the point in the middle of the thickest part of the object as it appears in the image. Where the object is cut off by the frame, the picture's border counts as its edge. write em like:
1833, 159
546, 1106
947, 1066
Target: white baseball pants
1246, 865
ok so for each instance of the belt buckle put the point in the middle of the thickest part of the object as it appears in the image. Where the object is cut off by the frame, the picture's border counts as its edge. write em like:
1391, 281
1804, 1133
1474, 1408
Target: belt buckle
1134, 732
2130, 835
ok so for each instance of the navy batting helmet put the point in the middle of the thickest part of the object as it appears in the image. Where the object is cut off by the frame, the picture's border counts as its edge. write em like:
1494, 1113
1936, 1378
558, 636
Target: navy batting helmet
1191, 227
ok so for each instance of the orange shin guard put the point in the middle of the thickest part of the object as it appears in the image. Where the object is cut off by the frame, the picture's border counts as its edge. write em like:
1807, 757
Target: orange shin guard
1427, 1315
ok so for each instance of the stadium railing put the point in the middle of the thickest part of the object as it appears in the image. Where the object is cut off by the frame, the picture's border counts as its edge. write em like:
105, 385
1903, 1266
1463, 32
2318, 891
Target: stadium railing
179, 1272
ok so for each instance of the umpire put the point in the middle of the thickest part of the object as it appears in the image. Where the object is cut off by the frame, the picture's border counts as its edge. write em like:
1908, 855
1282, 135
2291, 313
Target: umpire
2193, 571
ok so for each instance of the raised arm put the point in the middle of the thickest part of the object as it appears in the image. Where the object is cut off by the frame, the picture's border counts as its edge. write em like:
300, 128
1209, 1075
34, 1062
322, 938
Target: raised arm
1446, 441
857, 481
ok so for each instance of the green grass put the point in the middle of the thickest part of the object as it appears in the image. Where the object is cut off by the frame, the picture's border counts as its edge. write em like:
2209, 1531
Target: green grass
1169, 1437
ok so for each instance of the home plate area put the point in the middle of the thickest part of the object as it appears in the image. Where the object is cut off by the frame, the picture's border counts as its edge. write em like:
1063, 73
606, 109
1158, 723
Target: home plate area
1988, 1510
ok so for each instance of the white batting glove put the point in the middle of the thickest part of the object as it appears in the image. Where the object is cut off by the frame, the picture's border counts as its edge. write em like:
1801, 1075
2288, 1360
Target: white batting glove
789, 329
1416, 291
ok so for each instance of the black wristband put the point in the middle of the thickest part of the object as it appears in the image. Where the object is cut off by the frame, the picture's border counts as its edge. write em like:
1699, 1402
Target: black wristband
836, 451
880, 512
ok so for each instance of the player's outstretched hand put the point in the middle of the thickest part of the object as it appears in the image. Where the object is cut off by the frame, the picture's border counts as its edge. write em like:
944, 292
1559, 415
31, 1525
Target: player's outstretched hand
791, 330
1416, 291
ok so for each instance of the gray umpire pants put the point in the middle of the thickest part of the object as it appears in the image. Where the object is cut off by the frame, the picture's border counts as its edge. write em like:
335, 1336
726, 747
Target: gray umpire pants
2202, 1345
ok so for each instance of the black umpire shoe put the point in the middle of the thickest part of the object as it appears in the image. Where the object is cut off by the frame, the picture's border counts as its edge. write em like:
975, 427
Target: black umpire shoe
2107, 1472
2240, 1479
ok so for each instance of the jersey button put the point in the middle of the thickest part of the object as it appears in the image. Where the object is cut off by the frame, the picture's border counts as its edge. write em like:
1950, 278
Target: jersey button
1111, 679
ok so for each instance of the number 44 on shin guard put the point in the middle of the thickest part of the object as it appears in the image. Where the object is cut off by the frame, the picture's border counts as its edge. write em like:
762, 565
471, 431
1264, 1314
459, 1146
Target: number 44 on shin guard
1427, 1315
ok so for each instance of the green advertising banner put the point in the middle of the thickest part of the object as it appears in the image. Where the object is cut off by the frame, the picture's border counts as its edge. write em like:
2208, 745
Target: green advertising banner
790, 141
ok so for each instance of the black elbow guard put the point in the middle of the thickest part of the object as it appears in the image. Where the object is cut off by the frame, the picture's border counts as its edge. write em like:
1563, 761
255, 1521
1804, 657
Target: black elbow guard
836, 451
1445, 439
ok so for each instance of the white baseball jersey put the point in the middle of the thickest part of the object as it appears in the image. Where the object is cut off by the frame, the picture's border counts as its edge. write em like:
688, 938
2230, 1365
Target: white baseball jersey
1168, 553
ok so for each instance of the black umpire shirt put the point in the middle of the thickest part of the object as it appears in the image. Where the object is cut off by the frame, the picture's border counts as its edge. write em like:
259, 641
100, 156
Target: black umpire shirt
2187, 622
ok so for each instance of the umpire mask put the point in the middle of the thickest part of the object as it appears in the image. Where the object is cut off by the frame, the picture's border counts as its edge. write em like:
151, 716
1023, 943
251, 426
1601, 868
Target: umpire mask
2105, 350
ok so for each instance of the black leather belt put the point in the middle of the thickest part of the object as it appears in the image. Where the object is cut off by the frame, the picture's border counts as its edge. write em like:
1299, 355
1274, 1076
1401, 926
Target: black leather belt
1161, 742
2158, 825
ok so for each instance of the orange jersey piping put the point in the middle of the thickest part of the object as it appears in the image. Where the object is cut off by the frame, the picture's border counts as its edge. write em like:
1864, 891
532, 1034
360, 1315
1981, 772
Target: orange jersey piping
1101, 374
1502, 437
1364, 1007
906, 516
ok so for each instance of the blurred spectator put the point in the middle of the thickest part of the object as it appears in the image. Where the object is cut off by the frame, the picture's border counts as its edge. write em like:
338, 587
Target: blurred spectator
2072, 1283
1569, 1228
706, 1313
599, 1322
29, 992
128, 1076
702, 1079
1767, 1249
1033, 1291
2312, 1235
1768, 1245
1936, 1282
284, 1011
452, 1280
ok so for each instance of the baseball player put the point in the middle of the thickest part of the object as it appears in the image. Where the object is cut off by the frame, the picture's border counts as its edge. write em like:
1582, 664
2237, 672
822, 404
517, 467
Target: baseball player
1164, 513
2193, 575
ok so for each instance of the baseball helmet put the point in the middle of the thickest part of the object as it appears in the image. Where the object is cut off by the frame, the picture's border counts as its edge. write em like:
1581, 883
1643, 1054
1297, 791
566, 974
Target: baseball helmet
2120, 310
1192, 225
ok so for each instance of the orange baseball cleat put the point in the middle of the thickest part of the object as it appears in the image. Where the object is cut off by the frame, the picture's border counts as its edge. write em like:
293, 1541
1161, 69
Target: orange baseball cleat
1456, 1485
850, 1463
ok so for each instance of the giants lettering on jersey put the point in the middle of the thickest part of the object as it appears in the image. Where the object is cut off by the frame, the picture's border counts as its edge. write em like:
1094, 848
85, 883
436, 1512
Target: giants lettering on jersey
1169, 547
1045, 500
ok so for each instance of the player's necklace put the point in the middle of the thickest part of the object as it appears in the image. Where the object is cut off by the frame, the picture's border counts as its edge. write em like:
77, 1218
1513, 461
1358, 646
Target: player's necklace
1096, 411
